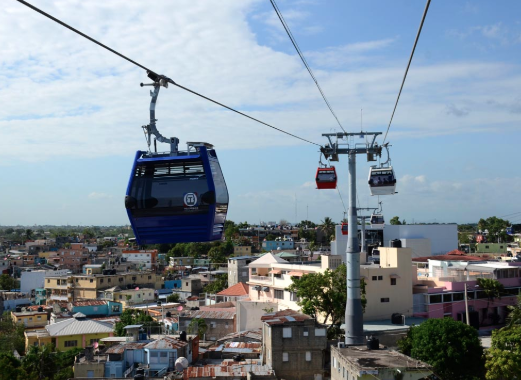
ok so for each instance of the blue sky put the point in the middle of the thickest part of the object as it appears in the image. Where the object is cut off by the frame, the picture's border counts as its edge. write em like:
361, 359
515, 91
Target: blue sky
71, 113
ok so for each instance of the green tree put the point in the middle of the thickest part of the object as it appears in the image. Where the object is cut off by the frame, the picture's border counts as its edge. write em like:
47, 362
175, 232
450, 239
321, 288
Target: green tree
217, 255
174, 297
133, 317
492, 288
395, 220
322, 294
503, 359
451, 347
198, 326
270, 237
328, 227
514, 315
11, 335
11, 368
7, 282
220, 283
496, 228
307, 223
40, 361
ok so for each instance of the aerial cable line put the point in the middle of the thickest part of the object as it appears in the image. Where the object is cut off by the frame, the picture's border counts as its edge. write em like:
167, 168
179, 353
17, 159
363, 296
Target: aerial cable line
408, 65
153, 74
297, 48
502, 216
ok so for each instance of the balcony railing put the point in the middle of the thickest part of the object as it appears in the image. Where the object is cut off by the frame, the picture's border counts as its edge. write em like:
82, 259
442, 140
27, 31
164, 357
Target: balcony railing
266, 279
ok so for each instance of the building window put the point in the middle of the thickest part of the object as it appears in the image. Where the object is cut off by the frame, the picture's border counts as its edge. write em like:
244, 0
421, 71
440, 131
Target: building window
39, 317
305, 331
374, 278
91, 280
308, 356
121, 279
393, 281
384, 299
101, 281
108, 280
293, 297
436, 298
320, 332
115, 307
279, 294
285, 357
380, 278
134, 278
286, 332
71, 343
154, 357
149, 277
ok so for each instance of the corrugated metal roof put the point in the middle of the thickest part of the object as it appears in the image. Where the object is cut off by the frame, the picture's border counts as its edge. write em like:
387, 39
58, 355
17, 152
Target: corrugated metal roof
229, 368
120, 348
283, 316
249, 334
165, 343
73, 326
89, 303
209, 314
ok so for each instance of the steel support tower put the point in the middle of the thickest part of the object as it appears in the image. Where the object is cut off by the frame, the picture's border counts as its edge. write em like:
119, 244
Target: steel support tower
344, 143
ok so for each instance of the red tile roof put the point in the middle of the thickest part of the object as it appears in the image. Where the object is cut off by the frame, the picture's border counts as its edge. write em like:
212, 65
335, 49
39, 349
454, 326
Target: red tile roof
239, 289
449, 257
89, 303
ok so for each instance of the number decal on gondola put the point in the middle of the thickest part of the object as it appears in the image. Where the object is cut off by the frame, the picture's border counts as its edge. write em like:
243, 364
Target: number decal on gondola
190, 199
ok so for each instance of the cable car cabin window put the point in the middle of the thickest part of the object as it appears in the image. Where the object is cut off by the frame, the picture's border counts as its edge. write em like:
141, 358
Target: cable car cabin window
326, 176
162, 186
382, 178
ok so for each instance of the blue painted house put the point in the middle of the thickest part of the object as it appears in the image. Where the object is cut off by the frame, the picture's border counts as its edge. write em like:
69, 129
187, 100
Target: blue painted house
101, 308
273, 245
173, 284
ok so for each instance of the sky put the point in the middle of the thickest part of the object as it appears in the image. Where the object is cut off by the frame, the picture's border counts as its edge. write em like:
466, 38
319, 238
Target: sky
71, 112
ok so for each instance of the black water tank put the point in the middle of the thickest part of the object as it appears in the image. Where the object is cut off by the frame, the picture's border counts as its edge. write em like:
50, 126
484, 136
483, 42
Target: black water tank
373, 343
40, 309
182, 336
18, 309
397, 319
396, 243
168, 314
139, 377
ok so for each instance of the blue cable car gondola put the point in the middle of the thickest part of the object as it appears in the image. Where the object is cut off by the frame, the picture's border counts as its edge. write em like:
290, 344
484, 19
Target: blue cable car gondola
177, 199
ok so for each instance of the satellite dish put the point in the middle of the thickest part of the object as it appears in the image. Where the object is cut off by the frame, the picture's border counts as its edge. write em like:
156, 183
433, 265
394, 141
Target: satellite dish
137, 288
95, 345
179, 308
181, 363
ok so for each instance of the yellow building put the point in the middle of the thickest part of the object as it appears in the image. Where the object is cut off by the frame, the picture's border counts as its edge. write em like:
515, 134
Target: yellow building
76, 332
129, 297
388, 285
80, 287
30, 319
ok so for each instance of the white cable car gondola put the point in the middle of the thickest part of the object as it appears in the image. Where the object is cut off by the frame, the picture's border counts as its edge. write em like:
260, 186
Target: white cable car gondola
382, 180
377, 220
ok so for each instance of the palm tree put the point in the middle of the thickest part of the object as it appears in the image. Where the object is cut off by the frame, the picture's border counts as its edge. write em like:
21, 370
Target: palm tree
328, 226
514, 316
198, 325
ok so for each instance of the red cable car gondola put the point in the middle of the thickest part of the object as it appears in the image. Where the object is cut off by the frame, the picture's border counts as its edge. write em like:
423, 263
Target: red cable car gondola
345, 229
326, 178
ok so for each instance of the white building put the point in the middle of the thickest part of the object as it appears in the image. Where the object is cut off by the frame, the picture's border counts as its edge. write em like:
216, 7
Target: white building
35, 279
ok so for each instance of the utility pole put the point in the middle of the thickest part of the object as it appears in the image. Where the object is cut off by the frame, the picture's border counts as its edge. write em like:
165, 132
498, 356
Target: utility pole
339, 144
467, 306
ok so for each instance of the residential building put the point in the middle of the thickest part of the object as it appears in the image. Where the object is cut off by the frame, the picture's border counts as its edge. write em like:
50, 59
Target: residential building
238, 269
242, 250
442, 281
278, 244
491, 247
177, 262
294, 345
192, 285
361, 363
84, 287
235, 292
128, 297
70, 258
229, 369
35, 278
219, 323
147, 259
69, 333
96, 308
30, 319
269, 276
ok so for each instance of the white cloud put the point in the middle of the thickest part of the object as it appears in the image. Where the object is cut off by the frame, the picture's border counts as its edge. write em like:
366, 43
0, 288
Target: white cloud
96, 195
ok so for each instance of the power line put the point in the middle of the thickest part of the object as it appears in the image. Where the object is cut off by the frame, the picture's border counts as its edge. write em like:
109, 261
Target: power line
340, 195
153, 72
297, 48
408, 65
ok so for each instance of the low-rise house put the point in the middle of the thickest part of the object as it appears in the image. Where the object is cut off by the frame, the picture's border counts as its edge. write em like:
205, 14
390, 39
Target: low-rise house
234, 293
145, 258
31, 319
294, 345
128, 297
70, 333
219, 323
229, 369
279, 244
360, 363
442, 281
96, 308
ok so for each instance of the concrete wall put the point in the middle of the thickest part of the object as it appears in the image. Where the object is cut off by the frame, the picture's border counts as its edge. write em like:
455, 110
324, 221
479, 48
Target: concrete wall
419, 247
443, 237
249, 314
36, 279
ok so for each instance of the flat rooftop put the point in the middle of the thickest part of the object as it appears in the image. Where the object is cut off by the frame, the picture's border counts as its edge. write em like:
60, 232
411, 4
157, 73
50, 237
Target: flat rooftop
366, 359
